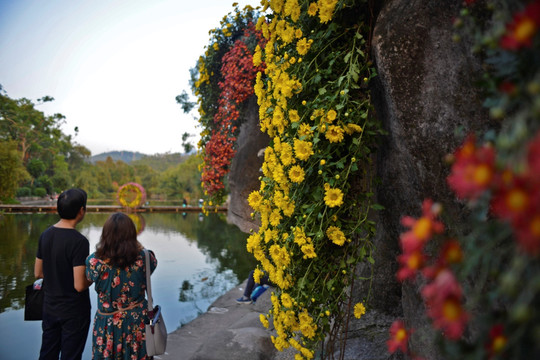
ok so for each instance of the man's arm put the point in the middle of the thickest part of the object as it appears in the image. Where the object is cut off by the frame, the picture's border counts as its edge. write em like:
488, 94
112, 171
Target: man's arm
38, 269
80, 282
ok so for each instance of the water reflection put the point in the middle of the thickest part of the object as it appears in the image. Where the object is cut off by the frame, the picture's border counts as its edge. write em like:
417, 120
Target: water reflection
199, 260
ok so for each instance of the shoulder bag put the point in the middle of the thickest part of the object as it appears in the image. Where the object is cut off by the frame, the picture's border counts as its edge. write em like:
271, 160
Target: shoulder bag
156, 332
33, 301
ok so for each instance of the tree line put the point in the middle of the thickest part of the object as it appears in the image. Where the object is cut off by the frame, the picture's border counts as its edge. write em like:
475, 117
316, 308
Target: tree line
38, 159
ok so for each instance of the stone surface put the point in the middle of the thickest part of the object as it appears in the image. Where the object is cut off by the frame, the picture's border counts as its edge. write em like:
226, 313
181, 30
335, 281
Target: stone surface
245, 169
423, 93
226, 331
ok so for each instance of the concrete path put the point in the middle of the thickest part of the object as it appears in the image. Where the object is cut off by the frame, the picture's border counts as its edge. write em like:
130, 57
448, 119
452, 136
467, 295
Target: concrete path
226, 331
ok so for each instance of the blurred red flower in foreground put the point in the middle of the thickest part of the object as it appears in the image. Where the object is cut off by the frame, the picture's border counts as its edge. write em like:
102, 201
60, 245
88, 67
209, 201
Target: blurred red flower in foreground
473, 169
522, 29
422, 229
443, 297
497, 340
399, 336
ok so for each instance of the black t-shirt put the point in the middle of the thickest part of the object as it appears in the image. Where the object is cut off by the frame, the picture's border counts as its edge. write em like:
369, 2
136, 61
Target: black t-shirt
62, 249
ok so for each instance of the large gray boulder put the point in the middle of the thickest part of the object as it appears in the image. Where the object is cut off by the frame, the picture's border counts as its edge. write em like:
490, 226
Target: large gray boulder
244, 174
423, 93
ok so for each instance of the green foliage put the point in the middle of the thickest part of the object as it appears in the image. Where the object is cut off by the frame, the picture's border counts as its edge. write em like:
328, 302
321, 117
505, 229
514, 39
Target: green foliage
40, 192
12, 170
182, 181
48, 154
23, 192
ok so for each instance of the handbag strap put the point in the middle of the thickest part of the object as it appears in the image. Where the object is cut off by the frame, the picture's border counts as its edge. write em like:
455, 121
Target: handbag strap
148, 282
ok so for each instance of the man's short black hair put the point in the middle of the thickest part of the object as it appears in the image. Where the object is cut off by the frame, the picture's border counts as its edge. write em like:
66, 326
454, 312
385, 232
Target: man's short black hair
70, 202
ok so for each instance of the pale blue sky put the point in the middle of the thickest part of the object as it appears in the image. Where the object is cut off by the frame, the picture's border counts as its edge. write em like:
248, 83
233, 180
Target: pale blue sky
114, 67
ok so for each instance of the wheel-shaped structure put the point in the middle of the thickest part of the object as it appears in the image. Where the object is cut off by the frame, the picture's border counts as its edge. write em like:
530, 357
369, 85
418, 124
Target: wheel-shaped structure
131, 195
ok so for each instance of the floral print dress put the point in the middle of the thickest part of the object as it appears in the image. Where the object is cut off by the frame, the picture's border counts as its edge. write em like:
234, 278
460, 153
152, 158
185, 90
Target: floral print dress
119, 333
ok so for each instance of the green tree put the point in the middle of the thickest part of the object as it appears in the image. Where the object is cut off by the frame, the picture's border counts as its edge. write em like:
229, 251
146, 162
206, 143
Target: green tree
12, 171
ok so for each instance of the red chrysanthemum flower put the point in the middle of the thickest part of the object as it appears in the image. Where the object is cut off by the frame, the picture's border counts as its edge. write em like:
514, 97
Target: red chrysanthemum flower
497, 340
473, 170
410, 264
524, 26
422, 229
443, 297
399, 336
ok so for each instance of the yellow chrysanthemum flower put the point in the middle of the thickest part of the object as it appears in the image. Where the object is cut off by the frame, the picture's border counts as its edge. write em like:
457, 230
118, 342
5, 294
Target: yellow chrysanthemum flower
293, 116
352, 128
303, 149
254, 200
257, 275
334, 134
331, 115
257, 56
302, 46
305, 130
336, 235
333, 197
326, 10
264, 320
296, 174
312, 10
309, 251
286, 300
359, 310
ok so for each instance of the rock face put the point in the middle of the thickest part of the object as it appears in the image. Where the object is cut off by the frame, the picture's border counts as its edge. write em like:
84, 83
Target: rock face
245, 168
423, 93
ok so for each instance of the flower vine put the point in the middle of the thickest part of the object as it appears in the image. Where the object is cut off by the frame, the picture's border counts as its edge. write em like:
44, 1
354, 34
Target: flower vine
315, 190
225, 81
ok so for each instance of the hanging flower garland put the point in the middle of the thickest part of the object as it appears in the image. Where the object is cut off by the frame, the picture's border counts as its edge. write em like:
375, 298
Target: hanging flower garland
225, 81
131, 195
315, 106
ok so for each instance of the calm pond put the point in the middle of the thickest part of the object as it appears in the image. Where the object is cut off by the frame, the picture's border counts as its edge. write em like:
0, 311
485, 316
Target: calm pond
199, 259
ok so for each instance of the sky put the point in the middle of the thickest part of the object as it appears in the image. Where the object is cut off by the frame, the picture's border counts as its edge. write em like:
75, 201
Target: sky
113, 67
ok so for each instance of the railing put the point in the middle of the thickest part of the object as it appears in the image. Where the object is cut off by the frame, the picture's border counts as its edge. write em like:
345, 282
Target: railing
108, 208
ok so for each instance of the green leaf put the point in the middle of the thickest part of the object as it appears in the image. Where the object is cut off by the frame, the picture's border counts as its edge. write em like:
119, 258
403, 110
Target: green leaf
377, 207
322, 91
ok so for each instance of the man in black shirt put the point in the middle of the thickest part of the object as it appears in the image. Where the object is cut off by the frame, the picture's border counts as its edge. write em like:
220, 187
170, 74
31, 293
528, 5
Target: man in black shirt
60, 261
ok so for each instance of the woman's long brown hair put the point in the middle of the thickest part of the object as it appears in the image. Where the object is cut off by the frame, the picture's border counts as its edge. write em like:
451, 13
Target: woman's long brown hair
118, 243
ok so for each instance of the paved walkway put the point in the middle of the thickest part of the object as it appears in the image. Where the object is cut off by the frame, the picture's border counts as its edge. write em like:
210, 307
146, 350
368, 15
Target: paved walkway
226, 331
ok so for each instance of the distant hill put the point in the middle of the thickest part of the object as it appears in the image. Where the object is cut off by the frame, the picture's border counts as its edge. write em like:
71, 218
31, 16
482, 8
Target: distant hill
161, 162
158, 162
125, 156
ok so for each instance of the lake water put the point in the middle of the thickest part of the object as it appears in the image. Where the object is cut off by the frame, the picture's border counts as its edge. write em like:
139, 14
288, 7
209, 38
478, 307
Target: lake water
199, 259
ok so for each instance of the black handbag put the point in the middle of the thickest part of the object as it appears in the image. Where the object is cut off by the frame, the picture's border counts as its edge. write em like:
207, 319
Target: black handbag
33, 303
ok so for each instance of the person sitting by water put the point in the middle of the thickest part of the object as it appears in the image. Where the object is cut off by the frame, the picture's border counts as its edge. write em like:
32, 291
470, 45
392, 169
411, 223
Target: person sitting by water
248, 296
118, 269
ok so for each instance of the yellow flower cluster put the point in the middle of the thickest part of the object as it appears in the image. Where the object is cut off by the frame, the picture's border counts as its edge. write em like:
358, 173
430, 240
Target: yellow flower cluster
300, 202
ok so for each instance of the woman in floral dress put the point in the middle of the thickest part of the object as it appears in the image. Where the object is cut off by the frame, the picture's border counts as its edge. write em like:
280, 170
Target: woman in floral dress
117, 269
